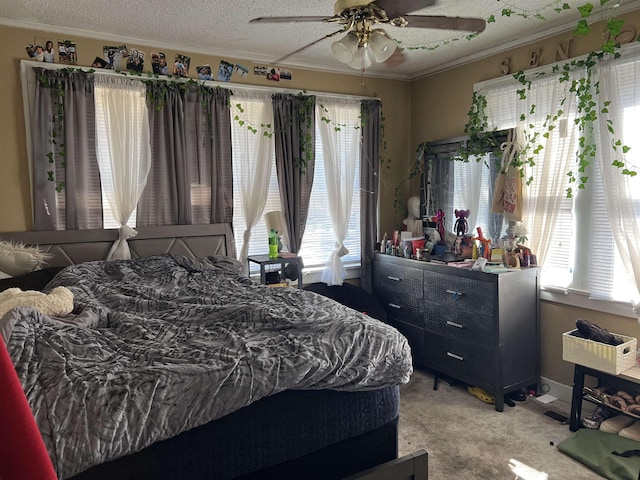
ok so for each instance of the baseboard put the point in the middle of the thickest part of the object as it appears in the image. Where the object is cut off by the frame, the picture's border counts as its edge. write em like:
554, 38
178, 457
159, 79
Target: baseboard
563, 393
559, 390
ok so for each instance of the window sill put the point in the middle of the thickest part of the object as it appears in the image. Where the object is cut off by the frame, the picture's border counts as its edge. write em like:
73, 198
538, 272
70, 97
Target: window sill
314, 274
583, 301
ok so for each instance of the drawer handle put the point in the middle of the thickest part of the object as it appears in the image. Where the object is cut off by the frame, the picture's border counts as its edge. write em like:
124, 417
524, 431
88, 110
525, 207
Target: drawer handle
395, 279
395, 305
454, 324
455, 295
453, 355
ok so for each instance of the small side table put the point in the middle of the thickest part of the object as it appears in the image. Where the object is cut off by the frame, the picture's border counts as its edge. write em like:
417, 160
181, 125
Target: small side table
264, 260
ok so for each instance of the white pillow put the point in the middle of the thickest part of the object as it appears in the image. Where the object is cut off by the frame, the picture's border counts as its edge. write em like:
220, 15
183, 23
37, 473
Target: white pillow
18, 259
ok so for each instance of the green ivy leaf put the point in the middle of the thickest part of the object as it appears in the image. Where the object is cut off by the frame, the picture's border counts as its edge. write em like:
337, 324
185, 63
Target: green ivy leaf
614, 26
582, 28
585, 10
491, 19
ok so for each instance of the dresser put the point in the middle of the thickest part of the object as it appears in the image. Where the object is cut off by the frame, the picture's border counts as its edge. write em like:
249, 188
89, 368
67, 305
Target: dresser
479, 328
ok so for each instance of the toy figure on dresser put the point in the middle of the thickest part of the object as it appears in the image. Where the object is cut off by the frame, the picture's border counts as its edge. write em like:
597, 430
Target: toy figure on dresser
413, 222
461, 226
485, 242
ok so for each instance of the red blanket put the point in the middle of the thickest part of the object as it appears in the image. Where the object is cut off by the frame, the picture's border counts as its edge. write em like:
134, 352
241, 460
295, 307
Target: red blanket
23, 455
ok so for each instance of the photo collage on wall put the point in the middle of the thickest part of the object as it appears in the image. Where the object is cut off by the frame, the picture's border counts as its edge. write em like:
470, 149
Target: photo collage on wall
43, 50
122, 58
272, 73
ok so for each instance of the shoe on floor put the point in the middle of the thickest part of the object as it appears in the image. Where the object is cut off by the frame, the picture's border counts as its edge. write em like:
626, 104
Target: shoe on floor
481, 394
615, 424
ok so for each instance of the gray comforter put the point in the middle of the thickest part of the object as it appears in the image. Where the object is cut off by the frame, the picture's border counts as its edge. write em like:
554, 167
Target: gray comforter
163, 344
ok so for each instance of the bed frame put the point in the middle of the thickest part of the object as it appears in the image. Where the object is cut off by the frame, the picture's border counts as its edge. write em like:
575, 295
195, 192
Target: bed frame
373, 454
69, 247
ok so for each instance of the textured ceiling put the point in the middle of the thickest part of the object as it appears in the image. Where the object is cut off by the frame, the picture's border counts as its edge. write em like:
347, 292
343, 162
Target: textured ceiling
222, 29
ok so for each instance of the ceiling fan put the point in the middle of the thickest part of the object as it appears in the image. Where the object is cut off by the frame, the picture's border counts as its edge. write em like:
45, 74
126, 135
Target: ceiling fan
363, 44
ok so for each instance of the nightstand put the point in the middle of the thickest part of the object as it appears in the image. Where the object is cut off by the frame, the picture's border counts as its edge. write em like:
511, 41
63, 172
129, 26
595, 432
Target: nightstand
264, 260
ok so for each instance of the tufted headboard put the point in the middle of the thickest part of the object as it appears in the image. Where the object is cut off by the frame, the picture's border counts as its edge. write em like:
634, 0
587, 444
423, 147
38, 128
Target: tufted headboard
69, 247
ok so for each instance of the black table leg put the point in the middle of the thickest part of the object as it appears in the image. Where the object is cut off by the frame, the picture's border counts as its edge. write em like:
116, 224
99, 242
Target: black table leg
576, 398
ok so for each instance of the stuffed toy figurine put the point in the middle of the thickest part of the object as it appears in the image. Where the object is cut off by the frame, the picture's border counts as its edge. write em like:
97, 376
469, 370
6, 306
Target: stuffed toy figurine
461, 225
57, 303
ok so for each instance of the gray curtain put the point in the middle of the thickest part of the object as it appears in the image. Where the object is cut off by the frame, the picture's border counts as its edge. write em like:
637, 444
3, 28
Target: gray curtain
64, 144
209, 151
166, 199
294, 134
369, 187
191, 177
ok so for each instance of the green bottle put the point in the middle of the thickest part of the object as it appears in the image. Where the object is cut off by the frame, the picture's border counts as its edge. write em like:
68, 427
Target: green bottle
273, 244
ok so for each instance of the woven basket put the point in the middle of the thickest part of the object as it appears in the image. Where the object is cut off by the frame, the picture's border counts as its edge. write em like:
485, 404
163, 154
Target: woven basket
606, 358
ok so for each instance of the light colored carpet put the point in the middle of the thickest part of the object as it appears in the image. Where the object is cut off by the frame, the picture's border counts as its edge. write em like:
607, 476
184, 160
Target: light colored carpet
467, 439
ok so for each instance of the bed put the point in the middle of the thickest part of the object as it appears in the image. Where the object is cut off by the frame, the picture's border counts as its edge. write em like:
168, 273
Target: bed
314, 392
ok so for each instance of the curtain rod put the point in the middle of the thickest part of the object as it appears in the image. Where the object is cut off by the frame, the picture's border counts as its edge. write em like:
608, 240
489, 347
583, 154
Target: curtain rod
229, 85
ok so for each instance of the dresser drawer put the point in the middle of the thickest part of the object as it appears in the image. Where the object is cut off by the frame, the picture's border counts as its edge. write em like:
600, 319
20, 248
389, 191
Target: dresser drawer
473, 296
398, 279
459, 324
458, 359
403, 308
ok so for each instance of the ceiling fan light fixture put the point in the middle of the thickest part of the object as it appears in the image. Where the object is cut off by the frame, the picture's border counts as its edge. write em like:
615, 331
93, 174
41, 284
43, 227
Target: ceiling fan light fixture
362, 58
381, 45
345, 49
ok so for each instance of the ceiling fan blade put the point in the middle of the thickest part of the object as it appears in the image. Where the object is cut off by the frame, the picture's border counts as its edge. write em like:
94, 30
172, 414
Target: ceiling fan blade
289, 19
399, 8
329, 35
445, 23
397, 58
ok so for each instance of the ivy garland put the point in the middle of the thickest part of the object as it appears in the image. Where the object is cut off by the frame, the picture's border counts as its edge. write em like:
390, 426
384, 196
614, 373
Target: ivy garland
56, 134
586, 91
481, 140
306, 112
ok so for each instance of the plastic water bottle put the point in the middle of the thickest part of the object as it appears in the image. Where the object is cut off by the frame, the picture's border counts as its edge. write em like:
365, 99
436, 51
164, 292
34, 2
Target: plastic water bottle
273, 244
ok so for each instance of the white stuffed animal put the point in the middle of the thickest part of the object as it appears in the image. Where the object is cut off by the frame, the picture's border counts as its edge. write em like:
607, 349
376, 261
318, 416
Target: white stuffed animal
57, 303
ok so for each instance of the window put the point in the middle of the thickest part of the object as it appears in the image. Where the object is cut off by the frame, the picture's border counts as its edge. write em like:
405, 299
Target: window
582, 240
318, 239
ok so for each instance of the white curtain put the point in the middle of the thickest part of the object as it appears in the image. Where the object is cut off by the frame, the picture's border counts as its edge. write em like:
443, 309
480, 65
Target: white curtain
123, 150
541, 202
253, 153
340, 159
619, 82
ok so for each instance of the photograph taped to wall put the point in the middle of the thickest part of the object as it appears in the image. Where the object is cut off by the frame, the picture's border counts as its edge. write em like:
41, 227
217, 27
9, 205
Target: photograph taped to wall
240, 70
67, 52
116, 56
135, 60
181, 65
159, 63
224, 71
48, 49
204, 72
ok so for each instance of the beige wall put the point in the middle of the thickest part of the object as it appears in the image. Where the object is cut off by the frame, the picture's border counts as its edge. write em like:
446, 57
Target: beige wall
440, 103
431, 108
